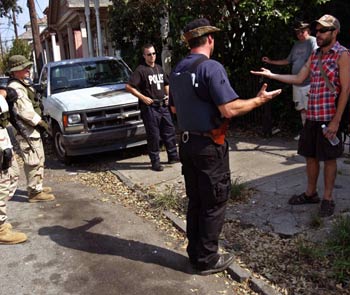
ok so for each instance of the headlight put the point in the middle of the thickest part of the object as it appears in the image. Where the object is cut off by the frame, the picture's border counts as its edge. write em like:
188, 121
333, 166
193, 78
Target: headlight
74, 119
73, 123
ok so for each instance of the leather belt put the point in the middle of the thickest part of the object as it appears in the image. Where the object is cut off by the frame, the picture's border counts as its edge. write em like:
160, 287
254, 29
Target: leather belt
186, 135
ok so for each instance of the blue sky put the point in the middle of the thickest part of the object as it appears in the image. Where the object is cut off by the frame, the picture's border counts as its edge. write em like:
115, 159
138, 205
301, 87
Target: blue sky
6, 30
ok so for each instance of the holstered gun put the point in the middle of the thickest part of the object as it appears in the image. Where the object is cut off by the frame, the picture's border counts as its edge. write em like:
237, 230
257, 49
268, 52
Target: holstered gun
218, 134
163, 102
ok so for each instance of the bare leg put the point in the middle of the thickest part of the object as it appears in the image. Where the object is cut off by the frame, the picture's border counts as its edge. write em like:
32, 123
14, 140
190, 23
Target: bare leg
330, 173
312, 171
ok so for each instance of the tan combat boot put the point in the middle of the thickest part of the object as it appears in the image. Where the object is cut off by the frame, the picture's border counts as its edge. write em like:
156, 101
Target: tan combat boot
41, 197
47, 189
7, 225
8, 237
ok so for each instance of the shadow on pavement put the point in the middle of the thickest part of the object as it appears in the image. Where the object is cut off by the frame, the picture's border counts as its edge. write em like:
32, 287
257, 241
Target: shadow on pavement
79, 238
20, 196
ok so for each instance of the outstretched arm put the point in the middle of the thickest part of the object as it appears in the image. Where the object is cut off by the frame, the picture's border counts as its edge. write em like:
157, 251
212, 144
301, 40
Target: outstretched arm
277, 62
289, 79
240, 107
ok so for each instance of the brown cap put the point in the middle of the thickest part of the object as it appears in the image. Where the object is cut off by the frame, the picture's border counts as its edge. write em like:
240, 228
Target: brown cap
329, 21
300, 25
18, 63
198, 28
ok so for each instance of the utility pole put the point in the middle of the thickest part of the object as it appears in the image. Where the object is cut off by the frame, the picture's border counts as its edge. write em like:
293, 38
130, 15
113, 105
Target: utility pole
14, 23
87, 17
98, 27
36, 38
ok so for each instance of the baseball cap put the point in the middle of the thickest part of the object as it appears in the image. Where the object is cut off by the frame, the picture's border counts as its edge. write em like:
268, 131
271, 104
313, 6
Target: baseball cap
328, 21
300, 25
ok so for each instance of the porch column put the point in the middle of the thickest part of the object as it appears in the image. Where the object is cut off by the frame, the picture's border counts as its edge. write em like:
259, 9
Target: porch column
47, 50
89, 35
98, 28
61, 46
70, 41
84, 37
54, 47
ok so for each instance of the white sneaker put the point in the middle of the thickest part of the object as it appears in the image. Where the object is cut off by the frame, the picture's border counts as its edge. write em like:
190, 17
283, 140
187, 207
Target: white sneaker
297, 137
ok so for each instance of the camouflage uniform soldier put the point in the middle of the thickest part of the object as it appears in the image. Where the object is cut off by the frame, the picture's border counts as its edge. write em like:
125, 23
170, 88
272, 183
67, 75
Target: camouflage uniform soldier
29, 113
8, 178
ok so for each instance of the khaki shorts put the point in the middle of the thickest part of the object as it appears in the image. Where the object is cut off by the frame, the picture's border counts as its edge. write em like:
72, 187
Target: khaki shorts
300, 97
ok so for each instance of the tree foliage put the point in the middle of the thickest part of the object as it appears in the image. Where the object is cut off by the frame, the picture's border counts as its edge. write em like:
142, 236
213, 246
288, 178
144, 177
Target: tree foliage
134, 23
250, 29
6, 6
18, 47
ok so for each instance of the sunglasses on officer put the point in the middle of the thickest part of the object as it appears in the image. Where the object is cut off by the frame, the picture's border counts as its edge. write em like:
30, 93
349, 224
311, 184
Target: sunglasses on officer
151, 53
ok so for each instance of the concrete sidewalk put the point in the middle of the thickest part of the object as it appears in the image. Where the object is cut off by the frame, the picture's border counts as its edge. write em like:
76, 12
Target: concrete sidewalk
270, 166
78, 244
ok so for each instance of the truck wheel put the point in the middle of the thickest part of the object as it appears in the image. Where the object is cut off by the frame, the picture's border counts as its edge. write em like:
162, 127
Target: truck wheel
59, 146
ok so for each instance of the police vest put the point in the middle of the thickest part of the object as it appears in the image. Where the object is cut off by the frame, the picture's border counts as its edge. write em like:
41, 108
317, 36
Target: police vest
193, 113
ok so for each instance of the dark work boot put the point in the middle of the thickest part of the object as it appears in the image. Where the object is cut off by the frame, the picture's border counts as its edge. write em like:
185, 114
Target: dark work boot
173, 160
157, 167
224, 262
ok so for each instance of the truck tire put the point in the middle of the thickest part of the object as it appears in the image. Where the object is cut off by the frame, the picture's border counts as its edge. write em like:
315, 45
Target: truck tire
59, 146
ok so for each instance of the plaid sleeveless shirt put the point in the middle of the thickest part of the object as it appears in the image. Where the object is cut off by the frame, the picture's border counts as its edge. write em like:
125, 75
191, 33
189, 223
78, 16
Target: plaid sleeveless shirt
322, 102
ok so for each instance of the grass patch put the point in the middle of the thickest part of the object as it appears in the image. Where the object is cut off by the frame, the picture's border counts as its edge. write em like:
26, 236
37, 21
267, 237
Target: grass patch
166, 200
336, 250
316, 221
240, 191
338, 246
307, 251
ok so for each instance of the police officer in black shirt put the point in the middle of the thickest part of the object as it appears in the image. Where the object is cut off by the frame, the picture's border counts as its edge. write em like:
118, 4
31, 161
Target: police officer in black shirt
150, 85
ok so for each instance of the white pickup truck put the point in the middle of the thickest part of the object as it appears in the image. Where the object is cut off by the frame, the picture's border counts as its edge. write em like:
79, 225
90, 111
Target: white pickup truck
87, 107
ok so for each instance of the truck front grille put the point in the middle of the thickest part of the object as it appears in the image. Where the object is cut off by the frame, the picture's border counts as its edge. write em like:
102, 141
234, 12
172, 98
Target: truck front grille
114, 117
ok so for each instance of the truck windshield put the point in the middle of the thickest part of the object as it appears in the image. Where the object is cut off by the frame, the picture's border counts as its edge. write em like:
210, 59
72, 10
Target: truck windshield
87, 74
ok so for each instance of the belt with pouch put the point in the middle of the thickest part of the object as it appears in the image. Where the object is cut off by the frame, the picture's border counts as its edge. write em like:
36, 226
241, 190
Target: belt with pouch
185, 136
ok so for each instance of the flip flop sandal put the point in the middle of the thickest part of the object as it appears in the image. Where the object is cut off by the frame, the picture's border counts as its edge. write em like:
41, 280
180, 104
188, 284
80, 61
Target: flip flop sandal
304, 199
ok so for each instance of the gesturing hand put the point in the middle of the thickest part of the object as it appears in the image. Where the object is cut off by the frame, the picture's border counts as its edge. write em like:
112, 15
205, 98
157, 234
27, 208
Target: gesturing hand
267, 95
264, 72
265, 59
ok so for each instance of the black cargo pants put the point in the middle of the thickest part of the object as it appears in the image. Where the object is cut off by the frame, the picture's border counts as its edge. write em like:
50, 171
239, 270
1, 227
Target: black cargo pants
159, 126
205, 166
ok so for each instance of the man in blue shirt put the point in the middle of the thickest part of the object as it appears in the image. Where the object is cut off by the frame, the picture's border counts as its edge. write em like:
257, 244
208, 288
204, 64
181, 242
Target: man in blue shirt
203, 100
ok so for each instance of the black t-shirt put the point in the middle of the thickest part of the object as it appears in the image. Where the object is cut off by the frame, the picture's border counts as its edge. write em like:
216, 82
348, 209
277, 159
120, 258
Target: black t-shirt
149, 81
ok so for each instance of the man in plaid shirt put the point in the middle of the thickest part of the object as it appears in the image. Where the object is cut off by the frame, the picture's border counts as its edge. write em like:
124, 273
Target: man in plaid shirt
327, 101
